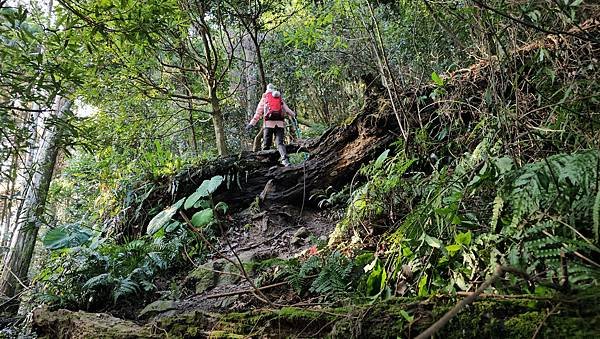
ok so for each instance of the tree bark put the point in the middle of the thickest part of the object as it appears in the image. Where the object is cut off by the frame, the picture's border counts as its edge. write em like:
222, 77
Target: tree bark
217, 117
31, 216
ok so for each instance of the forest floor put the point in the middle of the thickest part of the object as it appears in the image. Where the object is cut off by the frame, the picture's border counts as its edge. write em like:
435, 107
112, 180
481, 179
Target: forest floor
254, 236
260, 233
215, 300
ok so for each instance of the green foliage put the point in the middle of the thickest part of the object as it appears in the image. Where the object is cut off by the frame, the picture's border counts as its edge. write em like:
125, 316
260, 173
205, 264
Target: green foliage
541, 219
204, 190
162, 218
328, 276
88, 276
376, 280
66, 236
333, 279
552, 204
83, 271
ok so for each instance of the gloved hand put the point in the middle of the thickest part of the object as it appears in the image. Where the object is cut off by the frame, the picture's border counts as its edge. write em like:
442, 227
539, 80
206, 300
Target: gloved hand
249, 127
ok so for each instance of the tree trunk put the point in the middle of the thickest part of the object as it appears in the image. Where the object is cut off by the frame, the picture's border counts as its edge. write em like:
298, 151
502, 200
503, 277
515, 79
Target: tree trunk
31, 216
218, 123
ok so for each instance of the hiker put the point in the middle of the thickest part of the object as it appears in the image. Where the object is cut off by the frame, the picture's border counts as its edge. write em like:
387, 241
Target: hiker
274, 110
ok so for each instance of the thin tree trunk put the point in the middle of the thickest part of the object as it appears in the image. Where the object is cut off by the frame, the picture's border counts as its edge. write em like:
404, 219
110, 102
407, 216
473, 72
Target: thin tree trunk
218, 123
12, 195
31, 216
193, 138
259, 61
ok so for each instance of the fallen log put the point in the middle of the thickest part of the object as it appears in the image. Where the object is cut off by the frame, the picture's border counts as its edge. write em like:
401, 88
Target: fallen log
333, 160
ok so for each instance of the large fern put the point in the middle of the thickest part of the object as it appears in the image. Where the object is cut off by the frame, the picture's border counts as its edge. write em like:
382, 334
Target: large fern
553, 207
334, 276
299, 274
124, 287
563, 184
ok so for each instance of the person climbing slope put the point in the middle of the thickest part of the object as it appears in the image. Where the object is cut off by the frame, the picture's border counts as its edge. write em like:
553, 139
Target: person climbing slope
274, 110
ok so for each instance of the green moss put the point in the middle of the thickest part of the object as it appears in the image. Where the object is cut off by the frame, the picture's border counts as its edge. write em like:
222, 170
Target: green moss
482, 319
296, 314
225, 334
523, 324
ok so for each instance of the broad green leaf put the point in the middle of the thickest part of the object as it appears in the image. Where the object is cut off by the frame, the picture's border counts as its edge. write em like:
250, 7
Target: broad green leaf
66, 237
163, 217
433, 242
504, 164
193, 198
453, 248
202, 203
204, 190
422, 290
209, 186
377, 280
172, 226
381, 158
456, 220
202, 218
437, 79
463, 238
55, 238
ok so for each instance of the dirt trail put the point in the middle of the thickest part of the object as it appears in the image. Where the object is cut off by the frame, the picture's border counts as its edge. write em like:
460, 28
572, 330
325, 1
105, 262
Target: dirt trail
255, 235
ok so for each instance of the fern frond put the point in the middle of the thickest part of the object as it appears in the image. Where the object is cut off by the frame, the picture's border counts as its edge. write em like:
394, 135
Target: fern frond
496, 211
124, 287
157, 260
333, 278
103, 279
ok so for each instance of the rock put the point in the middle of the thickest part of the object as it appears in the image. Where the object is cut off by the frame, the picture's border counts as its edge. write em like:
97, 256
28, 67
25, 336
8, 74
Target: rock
227, 302
205, 276
229, 279
296, 241
158, 306
302, 232
68, 324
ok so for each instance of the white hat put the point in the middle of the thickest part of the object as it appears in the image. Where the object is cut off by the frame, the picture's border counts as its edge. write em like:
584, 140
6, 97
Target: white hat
270, 88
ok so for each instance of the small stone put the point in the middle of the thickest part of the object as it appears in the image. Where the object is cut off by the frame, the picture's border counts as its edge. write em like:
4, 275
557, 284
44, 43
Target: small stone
296, 241
302, 232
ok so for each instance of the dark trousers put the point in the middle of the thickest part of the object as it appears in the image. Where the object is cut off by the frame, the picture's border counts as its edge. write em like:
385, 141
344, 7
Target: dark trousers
268, 140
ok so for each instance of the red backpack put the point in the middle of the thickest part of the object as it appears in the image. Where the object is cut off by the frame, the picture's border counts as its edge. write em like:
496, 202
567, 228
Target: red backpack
274, 110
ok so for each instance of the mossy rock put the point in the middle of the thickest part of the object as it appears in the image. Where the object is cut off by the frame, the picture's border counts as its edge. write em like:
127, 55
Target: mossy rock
156, 307
69, 324
396, 317
205, 276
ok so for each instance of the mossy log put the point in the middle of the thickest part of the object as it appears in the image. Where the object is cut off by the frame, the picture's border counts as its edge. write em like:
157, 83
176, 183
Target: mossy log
333, 160
68, 324
490, 318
